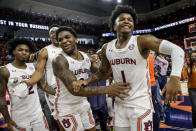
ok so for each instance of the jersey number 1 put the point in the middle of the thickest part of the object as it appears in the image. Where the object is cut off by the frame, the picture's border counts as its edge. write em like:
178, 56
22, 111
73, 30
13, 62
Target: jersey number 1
123, 76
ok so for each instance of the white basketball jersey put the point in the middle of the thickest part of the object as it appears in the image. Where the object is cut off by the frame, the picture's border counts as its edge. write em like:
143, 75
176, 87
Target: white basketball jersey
49, 75
53, 51
129, 66
26, 109
65, 102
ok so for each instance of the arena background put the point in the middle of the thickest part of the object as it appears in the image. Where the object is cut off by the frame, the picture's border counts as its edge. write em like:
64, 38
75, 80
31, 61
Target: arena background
174, 20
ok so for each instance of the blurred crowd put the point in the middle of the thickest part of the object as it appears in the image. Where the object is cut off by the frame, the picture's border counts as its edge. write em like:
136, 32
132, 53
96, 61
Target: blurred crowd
39, 44
89, 29
170, 17
80, 27
175, 34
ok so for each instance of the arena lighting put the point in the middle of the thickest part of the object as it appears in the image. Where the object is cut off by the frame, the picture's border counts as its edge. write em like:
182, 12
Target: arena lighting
85, 41
119, 1
108, 34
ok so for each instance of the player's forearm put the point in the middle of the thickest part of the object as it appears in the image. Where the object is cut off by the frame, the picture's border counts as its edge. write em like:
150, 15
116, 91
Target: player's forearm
96, 77
35, 78
177, 62
49, 90
68, 79
91, 91
4, 109
45, 87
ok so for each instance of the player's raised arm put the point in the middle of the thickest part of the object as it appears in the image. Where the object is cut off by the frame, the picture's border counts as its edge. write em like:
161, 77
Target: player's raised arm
37, 75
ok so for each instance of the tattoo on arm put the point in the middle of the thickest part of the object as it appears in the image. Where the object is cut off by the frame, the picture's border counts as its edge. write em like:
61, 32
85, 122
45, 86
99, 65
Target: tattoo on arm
91, 91
146, 43
61, 70
149, 40
3, 103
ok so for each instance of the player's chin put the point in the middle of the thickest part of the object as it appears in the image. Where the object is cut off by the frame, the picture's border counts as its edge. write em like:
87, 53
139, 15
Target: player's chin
68, 51
126, 31
24, 60
55, 41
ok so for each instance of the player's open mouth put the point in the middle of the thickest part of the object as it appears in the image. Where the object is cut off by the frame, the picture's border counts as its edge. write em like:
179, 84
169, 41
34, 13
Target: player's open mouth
67, 46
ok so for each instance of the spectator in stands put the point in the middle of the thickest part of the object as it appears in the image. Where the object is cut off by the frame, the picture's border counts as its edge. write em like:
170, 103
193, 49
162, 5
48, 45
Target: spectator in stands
163, 64
153, 92
189, 70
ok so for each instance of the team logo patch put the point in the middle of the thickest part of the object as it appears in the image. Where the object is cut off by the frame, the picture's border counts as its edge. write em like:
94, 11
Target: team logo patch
15, 80
148, 126
87, 60
131, 47
66, 123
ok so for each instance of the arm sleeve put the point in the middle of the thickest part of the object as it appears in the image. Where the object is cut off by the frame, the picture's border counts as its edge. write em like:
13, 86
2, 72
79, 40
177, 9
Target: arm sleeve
177, 56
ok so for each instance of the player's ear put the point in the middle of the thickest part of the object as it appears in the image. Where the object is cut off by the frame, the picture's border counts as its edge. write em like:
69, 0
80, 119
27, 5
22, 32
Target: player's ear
76, 40
115, 27
116, 23
14, 52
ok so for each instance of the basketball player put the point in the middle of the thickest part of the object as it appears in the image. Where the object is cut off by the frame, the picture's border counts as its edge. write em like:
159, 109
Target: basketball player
73, 111
127, 56
44, 63
26, 112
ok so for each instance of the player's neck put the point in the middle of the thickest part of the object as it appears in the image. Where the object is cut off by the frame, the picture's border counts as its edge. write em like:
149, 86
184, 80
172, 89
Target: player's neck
122, 41
124, 36
19, 64
76, 55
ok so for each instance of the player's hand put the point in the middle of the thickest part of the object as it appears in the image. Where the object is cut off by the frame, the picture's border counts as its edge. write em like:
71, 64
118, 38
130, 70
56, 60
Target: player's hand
173, 90
11, 125
119, 89
77, 84
27, 82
